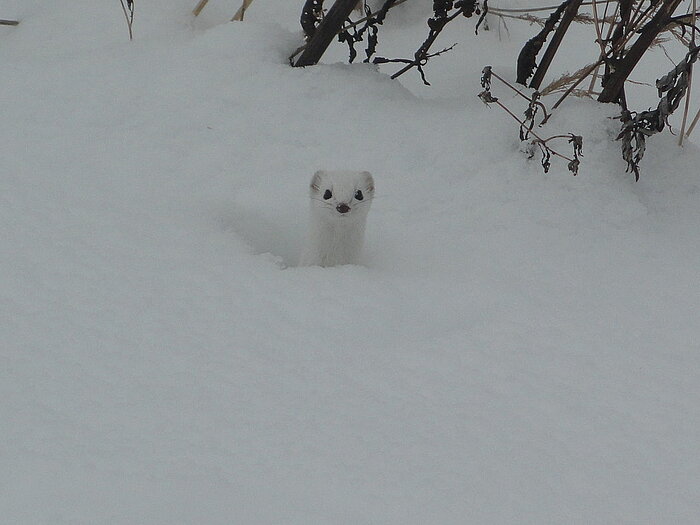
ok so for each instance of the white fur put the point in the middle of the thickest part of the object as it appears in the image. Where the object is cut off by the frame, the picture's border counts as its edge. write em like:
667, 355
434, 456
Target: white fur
334, 237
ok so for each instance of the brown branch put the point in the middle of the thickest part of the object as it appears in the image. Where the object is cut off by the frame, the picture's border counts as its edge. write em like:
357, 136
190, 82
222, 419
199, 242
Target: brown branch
346, 27
567, 17
198, 8
573, 86
615, 83
602, 41
690, 82
238, 17
329, 27
499, 10
422, 54
523, 95
128, 8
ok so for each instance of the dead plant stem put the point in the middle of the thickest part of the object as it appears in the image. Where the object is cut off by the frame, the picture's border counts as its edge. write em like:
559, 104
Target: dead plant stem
540, 139
129, 15
681, 135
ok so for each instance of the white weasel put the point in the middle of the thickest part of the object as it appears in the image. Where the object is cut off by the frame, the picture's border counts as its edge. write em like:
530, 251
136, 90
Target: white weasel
340, 201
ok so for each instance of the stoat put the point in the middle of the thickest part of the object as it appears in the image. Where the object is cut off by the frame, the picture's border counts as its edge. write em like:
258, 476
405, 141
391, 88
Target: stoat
340, 201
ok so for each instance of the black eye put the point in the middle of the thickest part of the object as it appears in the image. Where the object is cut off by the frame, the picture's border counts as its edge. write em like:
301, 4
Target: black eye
358, 195
327, 195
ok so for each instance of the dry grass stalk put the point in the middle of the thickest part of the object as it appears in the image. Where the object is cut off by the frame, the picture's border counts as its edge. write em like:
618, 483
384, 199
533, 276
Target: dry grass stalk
566, 80
128, 8
611, 25
529, 10
198, 8
238, 17
581, 18
681, 135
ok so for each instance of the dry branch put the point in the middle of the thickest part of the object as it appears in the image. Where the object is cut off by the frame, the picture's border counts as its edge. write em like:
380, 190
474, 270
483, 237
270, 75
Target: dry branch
614, 84
569, 14
128, 8
527, 125
198, 8
241, 11
323, 35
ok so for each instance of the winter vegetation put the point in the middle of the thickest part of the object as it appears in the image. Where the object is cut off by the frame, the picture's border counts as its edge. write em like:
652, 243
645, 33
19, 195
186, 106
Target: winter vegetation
515, 344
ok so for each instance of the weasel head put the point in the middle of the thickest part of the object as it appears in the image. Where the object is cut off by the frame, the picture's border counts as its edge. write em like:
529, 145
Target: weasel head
341, 195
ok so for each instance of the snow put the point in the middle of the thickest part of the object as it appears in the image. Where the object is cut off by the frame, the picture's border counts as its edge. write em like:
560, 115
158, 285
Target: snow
517, 348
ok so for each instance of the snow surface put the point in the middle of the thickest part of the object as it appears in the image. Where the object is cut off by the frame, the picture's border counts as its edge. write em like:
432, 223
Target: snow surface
517, 347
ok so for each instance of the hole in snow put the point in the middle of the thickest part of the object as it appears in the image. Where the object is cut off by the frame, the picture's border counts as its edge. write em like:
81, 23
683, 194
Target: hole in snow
276, 236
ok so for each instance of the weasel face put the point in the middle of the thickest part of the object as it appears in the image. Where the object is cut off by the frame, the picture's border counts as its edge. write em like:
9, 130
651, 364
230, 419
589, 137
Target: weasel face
341, 195
340, 201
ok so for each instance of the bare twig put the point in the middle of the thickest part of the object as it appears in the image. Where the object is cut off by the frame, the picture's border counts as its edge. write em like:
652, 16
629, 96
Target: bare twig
9, 22
198, 8
690, 80
611, 27
620, 44
547, 152
241, 11
128, 8
499, 10
614, 85
422, 55
566, 19
585, 73
526, 63
346, 27
565, 80
693, 124
599, 33
533, 100
321, 36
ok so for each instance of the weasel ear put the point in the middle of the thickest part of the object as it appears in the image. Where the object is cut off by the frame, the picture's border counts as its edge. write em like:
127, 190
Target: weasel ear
369, 181
316, 180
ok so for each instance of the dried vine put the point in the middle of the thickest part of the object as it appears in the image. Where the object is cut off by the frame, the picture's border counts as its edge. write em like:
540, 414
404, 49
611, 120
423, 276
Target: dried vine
624, 31
354, 33
636, 127
527, 124
528, 54
313, 14
444, 12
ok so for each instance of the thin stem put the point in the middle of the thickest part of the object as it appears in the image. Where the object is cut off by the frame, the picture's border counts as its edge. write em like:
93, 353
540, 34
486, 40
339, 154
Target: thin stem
692, 125
540, 139
542, 106
690, 82
129, 15
364, 19
300, 49
599, 33
596, 22
619, 45
607, 38
238, 17
497, 10
425, 47
575, 84
198, 8
564, 22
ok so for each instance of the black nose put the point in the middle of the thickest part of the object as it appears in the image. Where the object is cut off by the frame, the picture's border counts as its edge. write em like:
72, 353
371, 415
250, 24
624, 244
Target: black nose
343, 208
